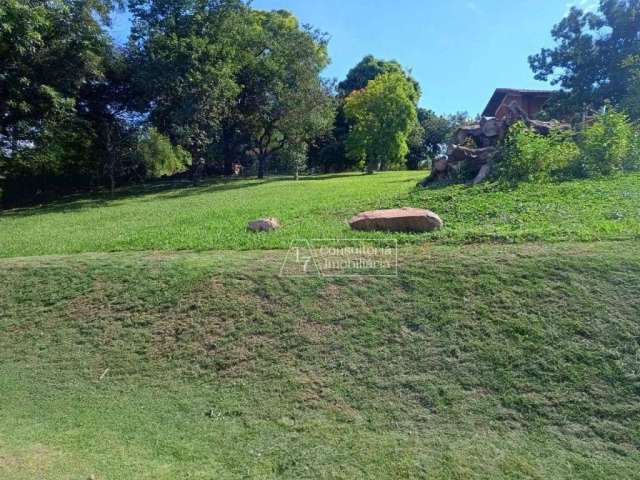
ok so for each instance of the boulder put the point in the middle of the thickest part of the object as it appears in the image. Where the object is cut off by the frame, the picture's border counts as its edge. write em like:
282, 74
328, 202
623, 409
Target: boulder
397, 220
263, 225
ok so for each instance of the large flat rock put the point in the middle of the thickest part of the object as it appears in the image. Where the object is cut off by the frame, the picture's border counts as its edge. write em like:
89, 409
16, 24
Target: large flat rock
397, 220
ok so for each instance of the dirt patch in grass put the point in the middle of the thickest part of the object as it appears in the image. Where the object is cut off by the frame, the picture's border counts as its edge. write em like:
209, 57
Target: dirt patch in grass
315, 332
91, 305
32, 462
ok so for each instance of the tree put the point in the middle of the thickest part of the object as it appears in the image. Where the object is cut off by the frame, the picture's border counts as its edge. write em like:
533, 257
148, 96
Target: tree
631, 100
590, 60
384, 115
329, 152
48, 51
186, 55
219, 78
283, 104
606, 145
426, 141
370, 68
55, 59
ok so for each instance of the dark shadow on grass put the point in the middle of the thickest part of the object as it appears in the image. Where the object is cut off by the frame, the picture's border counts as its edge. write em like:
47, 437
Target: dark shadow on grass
314, 178
167, 189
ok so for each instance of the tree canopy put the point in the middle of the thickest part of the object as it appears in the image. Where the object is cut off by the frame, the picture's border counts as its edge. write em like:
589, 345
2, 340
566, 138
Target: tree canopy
384, 115
595, 58
58, 72
370, 68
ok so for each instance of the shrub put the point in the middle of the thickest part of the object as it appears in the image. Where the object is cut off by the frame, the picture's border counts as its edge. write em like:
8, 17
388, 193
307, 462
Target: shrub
526, 155
159, 156
606, 146
633, 161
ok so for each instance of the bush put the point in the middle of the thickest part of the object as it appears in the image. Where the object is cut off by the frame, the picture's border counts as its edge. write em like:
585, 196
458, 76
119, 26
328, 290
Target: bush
528, 156
633, 162
159, 156
606, 146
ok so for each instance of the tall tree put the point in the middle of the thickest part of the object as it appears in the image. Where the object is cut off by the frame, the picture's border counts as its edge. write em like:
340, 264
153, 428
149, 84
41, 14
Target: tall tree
186, 55
591, 58
426, 140
219, 78
283, 103
370, 68
330, 153
384, 114
54, 59
48, 52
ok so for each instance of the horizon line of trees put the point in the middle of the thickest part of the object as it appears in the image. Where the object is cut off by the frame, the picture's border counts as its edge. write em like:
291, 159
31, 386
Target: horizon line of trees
211, 87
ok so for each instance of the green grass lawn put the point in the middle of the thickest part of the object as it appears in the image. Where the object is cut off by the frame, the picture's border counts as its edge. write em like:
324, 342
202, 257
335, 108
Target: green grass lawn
496, 362
149, 336
214, 216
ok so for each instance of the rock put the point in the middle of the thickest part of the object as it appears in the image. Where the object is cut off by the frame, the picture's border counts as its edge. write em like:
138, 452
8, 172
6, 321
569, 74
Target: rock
263, 225
397, 220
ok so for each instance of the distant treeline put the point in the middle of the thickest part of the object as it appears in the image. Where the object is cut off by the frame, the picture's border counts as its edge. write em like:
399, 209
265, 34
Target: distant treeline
215, 87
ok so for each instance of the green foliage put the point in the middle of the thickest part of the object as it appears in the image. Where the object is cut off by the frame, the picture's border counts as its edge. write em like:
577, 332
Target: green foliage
159, 156
528, 156
631, 100
185, 56
61, 81
384, 115
48, 52
291, 160
284, 104
221, 77
591, 60
370, 68
606, 146
633, 162
428, 137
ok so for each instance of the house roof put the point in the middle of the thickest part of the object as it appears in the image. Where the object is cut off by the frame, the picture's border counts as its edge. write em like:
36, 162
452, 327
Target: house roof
500, 93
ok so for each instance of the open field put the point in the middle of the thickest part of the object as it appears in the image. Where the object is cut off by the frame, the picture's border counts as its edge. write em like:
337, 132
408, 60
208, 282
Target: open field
214, 216
512, 361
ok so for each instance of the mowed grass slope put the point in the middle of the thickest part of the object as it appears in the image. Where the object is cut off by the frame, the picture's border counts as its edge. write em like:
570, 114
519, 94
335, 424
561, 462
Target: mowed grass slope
496, 362
214, 216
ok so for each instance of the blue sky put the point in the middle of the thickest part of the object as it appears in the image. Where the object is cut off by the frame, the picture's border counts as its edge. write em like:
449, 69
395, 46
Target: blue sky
459, 50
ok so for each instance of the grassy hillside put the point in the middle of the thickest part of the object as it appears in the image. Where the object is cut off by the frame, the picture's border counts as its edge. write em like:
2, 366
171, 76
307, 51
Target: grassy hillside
214, 216
476, 362
487, 360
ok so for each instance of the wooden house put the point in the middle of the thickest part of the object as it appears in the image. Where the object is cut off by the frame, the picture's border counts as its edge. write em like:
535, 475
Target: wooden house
530, 101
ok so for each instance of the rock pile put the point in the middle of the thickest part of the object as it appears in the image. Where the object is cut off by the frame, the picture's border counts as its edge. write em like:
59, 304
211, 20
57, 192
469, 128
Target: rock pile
475, 146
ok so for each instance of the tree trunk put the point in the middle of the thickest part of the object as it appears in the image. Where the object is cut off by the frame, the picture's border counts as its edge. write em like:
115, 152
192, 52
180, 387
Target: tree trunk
228, 152
262, 165
112, 178
197, 169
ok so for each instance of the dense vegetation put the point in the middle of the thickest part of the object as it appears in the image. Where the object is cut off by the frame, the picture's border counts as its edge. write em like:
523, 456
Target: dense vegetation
596, 59
233, 87
240, 90
609, 144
